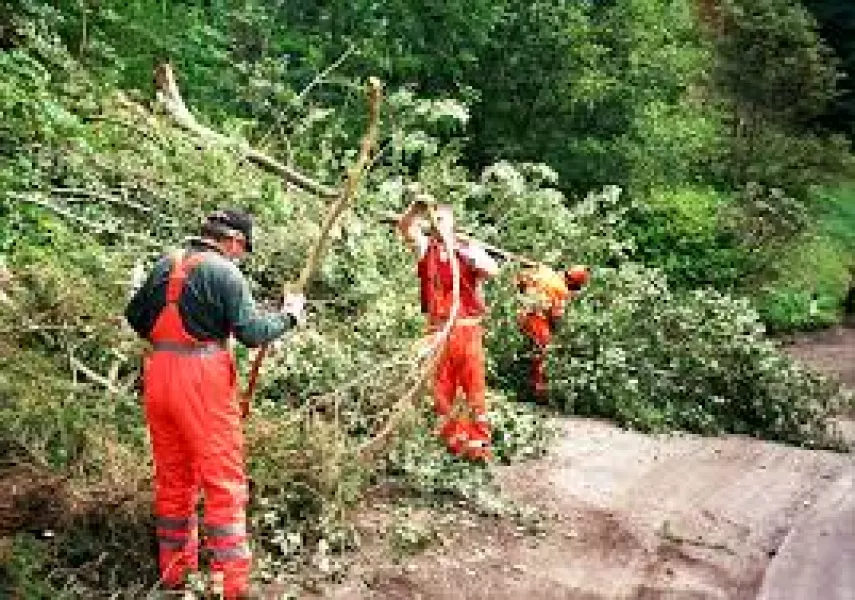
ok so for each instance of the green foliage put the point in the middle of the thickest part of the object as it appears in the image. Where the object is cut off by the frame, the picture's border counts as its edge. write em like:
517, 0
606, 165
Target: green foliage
808, 288
775, 76
837, 216
659, 360
21, 575
806, 281
93, 182
772, 61
684, 233
609, 85
837, 25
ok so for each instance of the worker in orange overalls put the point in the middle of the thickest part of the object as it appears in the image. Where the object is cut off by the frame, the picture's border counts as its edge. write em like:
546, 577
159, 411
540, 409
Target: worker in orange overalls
461, 365
191, 303
544, 296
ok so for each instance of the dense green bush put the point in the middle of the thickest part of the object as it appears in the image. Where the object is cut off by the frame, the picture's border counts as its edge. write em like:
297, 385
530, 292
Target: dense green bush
656, 359
807, 287
837, 216
684, 233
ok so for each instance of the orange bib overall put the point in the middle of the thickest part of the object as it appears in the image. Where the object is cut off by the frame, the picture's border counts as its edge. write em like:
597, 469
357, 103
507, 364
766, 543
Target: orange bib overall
197, 442
549, 294
461, 366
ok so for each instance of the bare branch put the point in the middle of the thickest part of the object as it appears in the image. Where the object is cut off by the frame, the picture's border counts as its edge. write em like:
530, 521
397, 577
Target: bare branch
350, 185
170, 98
323, 75
77, 194
37, 199
79, 366
343, 201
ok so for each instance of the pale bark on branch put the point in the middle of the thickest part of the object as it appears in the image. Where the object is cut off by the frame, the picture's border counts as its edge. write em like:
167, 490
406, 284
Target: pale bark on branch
323, 75
169, 97
344, 199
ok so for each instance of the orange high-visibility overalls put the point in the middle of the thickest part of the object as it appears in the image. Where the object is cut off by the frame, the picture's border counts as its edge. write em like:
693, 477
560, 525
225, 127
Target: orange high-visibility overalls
461, 366
193, 418
547, 295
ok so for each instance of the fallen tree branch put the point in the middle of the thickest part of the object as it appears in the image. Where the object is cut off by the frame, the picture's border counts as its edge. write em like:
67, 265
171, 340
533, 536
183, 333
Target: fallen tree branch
36, 328
393, 219
78, 194
169, 97
37, 199
79, 366
141, 130
345, 198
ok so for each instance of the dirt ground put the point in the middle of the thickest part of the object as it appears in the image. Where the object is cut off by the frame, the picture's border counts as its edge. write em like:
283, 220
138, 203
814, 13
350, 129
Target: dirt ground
831, 351
632, 516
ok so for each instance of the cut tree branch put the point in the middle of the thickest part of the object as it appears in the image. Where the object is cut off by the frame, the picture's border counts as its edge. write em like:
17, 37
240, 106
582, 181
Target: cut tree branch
169, 97
78, 366
37, 199
78, 194
344, 199
393, 219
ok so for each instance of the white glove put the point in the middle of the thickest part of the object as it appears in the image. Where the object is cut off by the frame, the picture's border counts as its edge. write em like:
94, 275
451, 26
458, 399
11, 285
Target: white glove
294, 304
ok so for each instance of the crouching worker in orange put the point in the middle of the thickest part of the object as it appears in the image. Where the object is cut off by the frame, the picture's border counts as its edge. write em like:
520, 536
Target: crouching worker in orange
188, 308
544, 297
461, 365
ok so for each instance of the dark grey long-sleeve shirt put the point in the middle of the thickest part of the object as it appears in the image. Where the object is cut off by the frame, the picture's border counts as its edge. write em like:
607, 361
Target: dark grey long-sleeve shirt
215, 302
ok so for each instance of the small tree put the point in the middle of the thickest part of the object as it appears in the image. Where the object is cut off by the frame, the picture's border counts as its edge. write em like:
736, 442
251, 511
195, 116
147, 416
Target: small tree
774, 76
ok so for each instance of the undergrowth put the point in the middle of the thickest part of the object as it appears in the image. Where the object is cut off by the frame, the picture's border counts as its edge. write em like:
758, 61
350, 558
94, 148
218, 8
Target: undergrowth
93, 182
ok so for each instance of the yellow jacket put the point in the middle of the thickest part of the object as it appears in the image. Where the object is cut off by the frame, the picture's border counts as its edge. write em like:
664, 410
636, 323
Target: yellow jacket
543, 290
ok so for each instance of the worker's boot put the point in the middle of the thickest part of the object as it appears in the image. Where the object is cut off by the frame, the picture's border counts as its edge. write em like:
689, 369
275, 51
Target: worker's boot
479, 443
456, 436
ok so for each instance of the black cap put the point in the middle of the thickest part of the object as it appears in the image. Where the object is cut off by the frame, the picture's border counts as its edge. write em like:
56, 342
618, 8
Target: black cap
235, 220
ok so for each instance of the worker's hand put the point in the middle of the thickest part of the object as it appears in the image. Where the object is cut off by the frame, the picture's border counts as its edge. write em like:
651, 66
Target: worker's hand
294, 305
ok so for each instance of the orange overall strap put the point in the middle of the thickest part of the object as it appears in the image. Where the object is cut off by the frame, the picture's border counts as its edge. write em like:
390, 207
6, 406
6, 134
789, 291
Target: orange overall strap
181, 268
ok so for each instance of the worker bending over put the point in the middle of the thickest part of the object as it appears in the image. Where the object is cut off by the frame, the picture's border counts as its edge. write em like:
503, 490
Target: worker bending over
544, 297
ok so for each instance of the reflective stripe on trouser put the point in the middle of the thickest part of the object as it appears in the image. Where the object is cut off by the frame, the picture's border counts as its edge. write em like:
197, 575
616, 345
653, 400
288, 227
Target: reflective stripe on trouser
197, 442
178, 547
230, 554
